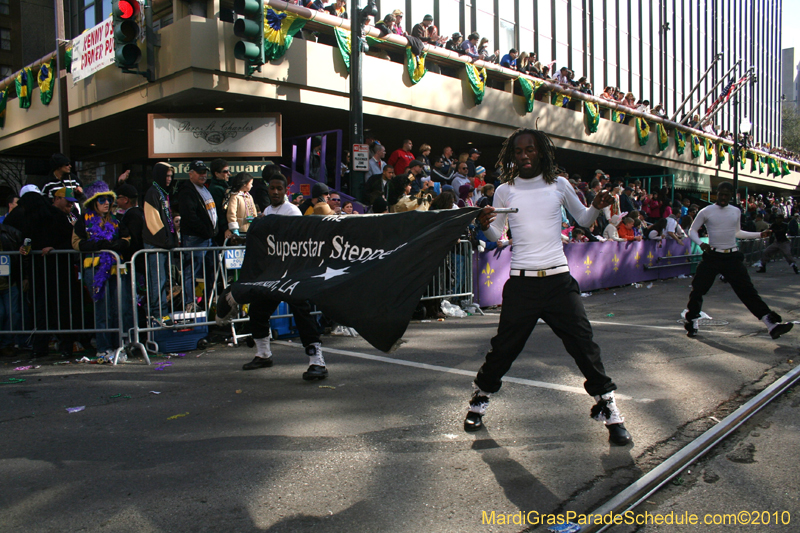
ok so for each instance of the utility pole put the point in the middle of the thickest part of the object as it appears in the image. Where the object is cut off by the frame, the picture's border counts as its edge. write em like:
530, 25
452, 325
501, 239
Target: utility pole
357, 46
63, 102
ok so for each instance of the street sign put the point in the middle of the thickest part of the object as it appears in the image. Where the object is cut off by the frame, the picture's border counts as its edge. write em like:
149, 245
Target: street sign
361, 157
233, 259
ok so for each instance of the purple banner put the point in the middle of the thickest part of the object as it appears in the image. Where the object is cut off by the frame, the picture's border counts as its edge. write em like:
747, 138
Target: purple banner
490, 273
595, 265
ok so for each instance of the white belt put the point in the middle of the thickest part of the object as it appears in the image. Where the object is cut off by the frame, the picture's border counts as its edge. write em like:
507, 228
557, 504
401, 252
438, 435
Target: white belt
539, 273
725, 250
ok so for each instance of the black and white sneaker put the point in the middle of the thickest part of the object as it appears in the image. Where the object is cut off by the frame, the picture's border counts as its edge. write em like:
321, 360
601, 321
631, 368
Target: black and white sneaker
477, 408
776, 325
226, 308
316, 369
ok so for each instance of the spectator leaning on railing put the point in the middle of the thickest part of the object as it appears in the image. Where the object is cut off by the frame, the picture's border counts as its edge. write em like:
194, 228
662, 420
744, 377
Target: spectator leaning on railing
510, 59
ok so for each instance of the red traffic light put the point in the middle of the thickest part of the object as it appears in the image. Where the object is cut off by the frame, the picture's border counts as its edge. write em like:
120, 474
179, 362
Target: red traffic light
128, 8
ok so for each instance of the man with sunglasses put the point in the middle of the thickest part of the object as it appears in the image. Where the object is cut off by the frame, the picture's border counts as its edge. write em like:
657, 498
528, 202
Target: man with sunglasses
218, 186
335, 202
460, 177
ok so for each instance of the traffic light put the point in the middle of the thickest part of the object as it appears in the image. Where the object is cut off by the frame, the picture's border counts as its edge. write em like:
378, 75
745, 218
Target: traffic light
251, 30
126, 33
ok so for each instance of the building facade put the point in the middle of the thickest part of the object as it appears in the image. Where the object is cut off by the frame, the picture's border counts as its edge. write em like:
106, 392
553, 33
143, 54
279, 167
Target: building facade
656, 49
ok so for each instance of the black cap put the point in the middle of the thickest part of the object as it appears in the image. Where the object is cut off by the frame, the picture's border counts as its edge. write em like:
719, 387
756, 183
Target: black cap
416, 163
198, 166
58, 160
319, 189
474, 151
127, 190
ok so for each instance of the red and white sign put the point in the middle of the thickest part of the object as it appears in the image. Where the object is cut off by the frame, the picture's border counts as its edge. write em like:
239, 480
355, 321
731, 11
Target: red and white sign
92, 50
361, 157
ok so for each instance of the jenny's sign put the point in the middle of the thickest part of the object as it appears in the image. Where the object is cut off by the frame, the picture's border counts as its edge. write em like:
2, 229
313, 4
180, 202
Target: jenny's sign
210, 136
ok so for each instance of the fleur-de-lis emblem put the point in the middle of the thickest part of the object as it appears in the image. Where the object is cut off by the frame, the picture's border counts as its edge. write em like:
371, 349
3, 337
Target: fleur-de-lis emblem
650, 257
488, 271
615, 260
588, 263
636, 257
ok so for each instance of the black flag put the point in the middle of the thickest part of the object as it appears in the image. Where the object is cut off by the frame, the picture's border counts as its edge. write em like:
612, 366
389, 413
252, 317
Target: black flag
367, 272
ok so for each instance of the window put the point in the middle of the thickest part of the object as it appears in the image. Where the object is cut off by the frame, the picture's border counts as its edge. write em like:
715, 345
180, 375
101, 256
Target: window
5, 71
5, 39
448, 12
4, 7
526, 41
420, 8
526, 15
507, 37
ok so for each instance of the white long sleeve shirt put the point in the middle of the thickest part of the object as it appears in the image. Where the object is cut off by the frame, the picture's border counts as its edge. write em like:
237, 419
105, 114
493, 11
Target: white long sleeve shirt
536, 228
723, 225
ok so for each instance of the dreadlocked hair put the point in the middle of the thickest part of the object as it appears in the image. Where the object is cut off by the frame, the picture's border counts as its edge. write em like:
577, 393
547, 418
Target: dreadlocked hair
547, 156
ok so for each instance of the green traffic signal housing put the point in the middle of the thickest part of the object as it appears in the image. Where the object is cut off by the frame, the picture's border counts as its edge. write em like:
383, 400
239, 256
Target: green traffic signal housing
251, 30
126, 33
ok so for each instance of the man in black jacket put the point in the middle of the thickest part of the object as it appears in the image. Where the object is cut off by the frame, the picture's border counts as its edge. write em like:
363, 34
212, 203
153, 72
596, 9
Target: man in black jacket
158, 232
199, 225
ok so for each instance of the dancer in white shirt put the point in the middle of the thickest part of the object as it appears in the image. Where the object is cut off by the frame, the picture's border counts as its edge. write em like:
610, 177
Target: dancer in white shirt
540, 285
261, 309
722, 256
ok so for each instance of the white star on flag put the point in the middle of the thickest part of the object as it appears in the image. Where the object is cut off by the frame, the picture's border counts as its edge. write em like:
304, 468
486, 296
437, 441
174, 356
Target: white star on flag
331, 273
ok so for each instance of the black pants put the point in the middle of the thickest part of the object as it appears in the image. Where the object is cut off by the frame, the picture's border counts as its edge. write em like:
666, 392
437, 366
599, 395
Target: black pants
732, 267
557, 301
262, 309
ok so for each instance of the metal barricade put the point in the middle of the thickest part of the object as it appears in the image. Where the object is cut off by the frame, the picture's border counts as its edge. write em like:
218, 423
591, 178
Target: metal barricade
46, 294
454, 277
181, 286
752, 249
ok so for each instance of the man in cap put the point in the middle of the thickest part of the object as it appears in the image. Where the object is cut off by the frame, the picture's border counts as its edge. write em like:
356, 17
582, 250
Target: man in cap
60, 177
199, 225
472, 162
319, 195
426, 31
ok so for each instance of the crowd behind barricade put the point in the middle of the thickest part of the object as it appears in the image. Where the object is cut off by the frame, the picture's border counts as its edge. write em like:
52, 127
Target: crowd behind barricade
477, 47
213, 208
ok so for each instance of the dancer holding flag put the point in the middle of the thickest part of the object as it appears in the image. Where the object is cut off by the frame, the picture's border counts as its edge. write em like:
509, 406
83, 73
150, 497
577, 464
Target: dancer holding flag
330, 260
540, 285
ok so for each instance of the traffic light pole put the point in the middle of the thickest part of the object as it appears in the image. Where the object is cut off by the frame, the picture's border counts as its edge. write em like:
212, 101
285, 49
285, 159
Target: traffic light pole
61, 73
356, 96
150, 41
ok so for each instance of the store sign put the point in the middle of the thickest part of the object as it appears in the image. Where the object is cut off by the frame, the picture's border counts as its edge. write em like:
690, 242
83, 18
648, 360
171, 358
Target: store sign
253, 168
92, 50
692, 182
211, 136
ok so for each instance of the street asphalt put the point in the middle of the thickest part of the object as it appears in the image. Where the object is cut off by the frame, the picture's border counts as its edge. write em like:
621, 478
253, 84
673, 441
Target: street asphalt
201, 445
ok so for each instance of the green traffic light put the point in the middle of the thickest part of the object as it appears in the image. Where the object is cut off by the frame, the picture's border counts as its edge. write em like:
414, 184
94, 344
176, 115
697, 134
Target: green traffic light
248, 8
247, 51
248, 29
